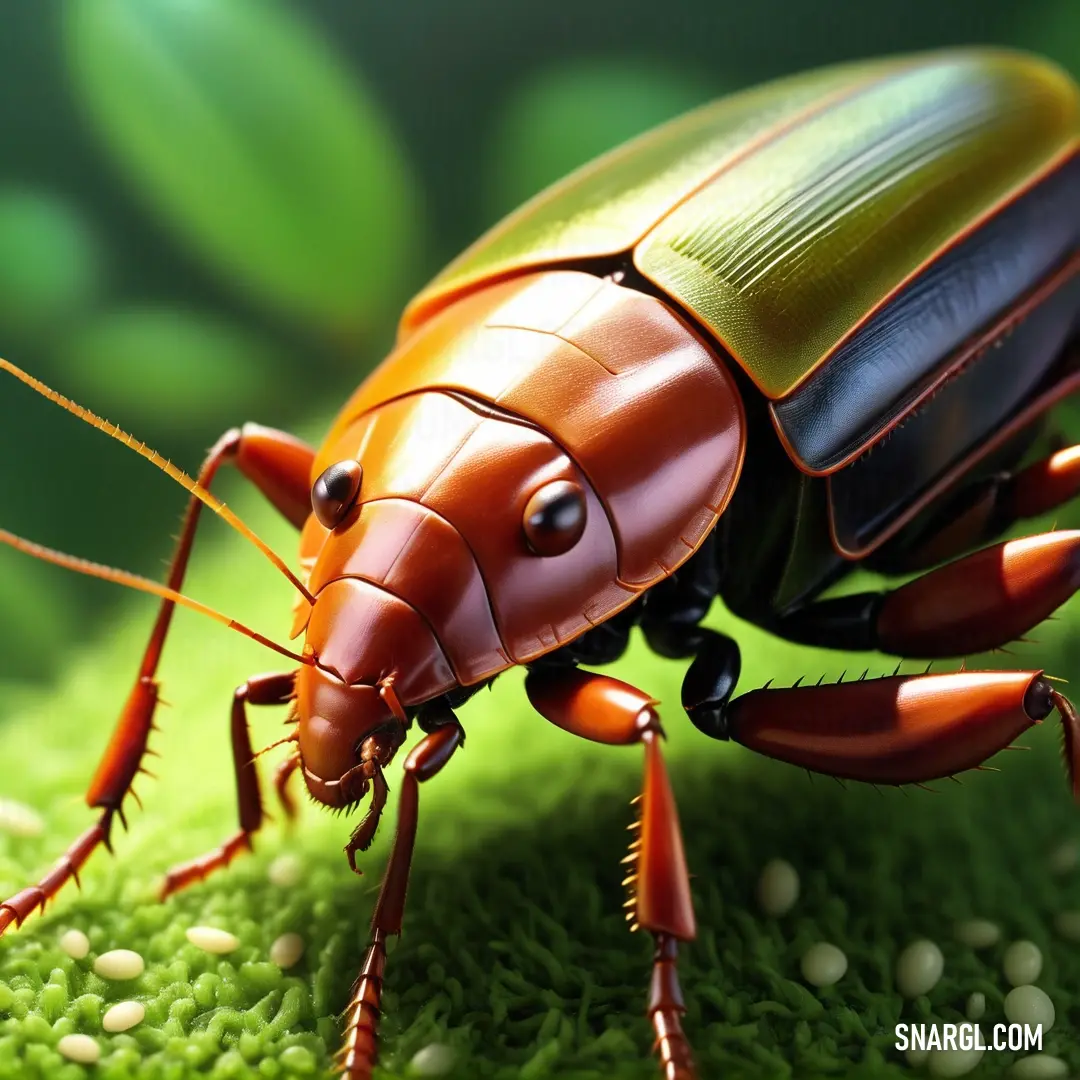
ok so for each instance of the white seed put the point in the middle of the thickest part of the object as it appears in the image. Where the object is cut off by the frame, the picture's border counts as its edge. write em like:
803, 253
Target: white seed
75, 943
1038, 1067
80, 1048
976, 1006
919, 968
977, 933
1022, 963
287, 950
916, 1056
212, 940
1067, 924
1031, 1006
953, 1062
19, 819
119, 964
778, 887
823, 964
436, 1059
123, 1015
1064, 857
285, 871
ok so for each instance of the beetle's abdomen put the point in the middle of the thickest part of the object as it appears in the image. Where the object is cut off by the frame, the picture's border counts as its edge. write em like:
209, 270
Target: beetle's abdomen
558, 376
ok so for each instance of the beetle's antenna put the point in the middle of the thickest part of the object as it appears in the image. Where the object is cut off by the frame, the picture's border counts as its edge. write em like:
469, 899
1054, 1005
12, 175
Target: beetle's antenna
141, 584
156, 459
293, 737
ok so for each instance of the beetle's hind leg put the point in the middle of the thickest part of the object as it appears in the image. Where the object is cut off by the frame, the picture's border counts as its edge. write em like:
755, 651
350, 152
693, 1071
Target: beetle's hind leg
982, 511
605, 710
978, 603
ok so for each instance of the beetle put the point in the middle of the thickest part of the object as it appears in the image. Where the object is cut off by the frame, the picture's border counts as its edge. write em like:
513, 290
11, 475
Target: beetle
815, 325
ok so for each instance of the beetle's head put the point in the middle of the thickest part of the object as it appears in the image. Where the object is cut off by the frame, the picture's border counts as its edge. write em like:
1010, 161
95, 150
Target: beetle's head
466, 539
347, 735
371, 652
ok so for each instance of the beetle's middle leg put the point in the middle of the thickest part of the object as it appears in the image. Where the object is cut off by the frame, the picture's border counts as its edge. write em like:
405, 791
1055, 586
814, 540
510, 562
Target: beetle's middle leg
260, 690
279, 465
900, 729
605, 710
903, 729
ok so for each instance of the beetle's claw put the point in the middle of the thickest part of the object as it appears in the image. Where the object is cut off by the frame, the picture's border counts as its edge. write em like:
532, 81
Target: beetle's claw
364, 833
1070, 728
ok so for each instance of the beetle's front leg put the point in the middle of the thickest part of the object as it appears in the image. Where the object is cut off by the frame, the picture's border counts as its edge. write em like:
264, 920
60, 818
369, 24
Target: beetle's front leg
279, 465
260, 690
605, 710
357, 1056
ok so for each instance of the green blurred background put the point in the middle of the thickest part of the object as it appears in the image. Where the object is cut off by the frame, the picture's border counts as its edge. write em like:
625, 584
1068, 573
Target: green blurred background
213, 211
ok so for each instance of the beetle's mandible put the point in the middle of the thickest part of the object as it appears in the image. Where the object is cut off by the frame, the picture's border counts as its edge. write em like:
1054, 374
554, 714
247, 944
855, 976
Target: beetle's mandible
814, 325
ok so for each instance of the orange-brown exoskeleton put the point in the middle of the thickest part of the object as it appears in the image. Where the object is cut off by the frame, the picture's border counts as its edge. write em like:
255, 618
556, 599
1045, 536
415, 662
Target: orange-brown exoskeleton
811, 326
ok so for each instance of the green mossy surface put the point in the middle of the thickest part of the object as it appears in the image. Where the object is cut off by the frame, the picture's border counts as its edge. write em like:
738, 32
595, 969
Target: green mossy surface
515, 951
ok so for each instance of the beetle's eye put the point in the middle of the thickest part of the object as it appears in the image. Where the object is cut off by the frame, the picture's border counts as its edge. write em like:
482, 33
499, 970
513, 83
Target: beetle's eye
334, 493
555, 518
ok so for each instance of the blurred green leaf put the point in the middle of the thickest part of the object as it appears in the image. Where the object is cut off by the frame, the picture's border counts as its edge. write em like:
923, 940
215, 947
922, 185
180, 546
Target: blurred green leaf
1052, 30
242, 129
166, 366
566, 116
48, 263
35, 613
